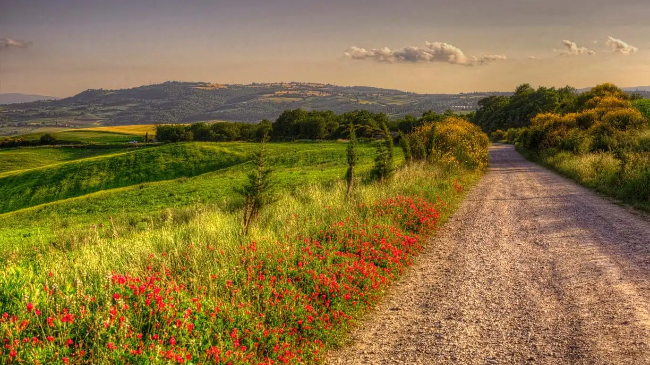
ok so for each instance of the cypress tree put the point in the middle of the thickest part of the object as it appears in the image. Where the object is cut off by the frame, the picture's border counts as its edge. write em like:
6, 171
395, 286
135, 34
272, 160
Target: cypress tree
257, 192
405, 144
352, 159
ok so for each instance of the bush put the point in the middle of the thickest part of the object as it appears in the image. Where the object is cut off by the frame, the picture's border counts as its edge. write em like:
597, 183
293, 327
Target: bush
643, 106
454, 141
47, 139
635, 176
625, 119
498, 136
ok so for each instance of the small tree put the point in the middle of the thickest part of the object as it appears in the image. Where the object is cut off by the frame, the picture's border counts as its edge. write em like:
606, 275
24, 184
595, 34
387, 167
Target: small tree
405, 144
389, 141
352, 159
146, 137
257, 192
384, 166
431, 148
47, 139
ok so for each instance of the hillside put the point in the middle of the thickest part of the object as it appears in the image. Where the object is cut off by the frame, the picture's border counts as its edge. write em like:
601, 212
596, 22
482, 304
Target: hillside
185, 102
11, 98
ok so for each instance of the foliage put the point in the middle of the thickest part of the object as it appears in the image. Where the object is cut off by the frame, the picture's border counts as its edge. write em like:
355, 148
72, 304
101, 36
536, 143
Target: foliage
602, 145
643, 106
384, 163
257, 191
505, 112
452, 141
607, 121
47, 139
405, 144
215, 132
352, 158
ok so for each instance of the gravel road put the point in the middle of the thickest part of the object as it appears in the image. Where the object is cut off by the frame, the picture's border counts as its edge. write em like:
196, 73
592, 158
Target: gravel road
532, 269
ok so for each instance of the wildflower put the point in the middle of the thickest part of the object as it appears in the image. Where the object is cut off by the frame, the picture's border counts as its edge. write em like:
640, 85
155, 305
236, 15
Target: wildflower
30, 307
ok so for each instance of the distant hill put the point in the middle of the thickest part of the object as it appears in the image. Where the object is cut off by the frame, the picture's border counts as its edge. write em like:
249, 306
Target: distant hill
185, 102
628, 89
638, 88
11, 98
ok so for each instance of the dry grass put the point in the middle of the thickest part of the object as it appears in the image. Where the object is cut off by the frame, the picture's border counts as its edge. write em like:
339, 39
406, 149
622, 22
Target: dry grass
138, 129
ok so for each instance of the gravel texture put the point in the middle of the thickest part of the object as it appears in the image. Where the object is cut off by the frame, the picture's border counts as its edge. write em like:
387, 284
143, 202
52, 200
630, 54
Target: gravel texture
532, 269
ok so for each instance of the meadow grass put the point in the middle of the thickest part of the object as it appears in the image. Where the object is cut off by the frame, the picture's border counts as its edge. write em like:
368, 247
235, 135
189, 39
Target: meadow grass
135, 166
296, 165
204, 255
46, 184
17, 159
139, 256
603, 172
89, 136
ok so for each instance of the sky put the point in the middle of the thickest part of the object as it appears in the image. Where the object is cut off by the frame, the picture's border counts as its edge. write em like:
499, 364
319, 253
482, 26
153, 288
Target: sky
62, 47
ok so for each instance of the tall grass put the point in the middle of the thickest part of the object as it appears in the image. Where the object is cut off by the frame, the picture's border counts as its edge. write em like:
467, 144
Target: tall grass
18, 159
627, 180
312, 264
298, 164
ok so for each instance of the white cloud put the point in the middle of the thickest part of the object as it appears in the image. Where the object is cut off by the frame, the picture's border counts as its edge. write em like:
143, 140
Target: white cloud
436, 52
9, 42
618, 46
572, 49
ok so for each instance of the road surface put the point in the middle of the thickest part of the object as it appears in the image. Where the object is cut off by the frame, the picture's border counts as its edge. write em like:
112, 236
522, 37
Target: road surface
532, 269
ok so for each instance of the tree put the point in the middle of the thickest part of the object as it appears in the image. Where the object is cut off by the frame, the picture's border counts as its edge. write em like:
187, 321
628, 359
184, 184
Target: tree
352, 159
47, 139
405, 144
389, 140
257, 192
384, 166
431, 148
146, 137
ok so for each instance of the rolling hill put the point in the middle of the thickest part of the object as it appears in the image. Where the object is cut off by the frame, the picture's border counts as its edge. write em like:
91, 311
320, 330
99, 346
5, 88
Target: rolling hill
185, 102
11, 98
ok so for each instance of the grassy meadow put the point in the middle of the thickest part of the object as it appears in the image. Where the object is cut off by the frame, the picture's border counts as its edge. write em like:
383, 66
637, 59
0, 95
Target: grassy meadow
137, 255
135, 130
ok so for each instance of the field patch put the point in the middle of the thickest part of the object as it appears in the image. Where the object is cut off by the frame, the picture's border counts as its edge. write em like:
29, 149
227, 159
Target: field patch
137, 130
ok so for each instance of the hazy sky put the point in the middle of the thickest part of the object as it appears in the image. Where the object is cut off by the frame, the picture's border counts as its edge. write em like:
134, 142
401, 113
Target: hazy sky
62, 47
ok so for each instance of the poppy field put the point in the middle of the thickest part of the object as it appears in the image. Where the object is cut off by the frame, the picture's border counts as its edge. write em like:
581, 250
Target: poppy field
200, 293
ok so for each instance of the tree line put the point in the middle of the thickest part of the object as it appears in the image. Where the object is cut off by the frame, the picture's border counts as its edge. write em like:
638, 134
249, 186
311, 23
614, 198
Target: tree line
299, 124
518, 110
603, 142
452, 141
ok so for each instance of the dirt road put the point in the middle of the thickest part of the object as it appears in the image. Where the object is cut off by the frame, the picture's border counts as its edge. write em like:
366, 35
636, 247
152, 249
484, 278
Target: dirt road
532, 269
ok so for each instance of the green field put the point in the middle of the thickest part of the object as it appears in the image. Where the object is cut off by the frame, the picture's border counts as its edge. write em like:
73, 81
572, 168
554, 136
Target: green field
126, 185
17, 159
117, 254
89, 136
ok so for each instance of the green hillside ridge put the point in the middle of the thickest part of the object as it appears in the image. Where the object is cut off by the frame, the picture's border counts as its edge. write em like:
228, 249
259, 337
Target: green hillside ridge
296, 164
47, 184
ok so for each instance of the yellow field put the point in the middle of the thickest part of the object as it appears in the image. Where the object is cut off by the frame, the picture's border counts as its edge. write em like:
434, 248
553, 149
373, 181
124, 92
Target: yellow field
139, 129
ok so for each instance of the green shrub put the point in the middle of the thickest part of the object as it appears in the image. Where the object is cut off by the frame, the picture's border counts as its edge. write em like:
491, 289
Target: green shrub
625, 119
498, 136
643, 106
453, 141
